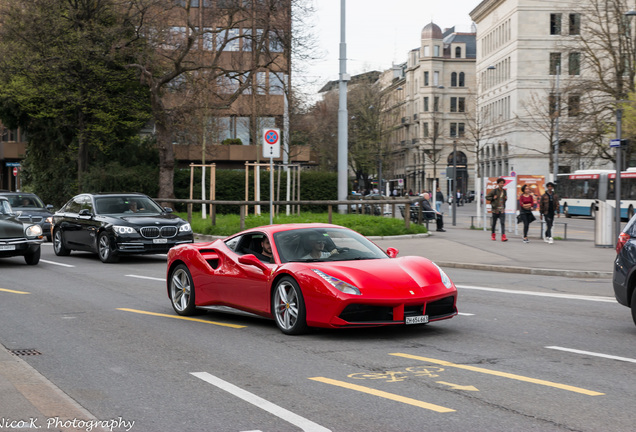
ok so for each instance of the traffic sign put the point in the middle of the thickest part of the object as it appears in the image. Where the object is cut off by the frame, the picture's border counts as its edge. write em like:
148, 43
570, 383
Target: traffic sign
271, 143
15, 171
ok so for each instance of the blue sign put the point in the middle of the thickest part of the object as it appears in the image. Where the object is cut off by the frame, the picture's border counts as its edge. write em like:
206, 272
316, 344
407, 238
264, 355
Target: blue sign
12, 164
615, 143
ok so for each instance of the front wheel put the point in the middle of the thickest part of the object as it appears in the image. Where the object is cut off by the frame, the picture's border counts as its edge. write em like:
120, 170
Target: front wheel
32, 258
104, 249
181, 289
58, 244
633, 306
288, 307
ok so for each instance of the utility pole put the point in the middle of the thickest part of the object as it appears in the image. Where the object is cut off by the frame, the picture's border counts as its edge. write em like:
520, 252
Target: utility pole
343, 122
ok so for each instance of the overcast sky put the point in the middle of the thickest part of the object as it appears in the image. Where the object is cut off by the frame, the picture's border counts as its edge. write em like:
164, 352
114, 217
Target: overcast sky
379, 32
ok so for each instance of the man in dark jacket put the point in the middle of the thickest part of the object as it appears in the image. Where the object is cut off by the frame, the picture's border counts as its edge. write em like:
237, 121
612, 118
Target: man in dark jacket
497, 198
548, 206
429, 213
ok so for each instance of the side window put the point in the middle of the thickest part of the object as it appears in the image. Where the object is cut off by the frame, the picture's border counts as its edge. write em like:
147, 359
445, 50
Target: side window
74, 205
233, 243
87, 204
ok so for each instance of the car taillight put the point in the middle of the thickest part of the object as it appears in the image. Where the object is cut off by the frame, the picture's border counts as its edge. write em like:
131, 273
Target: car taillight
622, 239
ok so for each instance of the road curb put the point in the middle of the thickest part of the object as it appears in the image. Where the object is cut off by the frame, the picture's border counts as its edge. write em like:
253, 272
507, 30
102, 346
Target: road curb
583, 274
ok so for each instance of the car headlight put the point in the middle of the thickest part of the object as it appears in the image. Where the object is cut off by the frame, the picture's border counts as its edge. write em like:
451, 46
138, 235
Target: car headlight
445, 279
33, 231
119, 229
185, 228
343, 286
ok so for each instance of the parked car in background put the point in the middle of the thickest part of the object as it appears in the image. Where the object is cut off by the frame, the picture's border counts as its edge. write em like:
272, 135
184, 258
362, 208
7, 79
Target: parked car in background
624, 278
117, 224
30, 209
17, 238
309, 275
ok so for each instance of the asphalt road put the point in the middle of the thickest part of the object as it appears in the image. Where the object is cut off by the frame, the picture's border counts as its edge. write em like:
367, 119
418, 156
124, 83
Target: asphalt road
526, 354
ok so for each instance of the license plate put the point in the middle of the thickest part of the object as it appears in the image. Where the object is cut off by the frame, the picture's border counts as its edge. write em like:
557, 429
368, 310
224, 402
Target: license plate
422, 319
7, 247
160, 241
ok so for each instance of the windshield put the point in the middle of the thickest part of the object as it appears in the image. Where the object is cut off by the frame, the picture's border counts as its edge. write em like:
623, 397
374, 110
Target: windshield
5, 208
126, 205
25, 201
324, 244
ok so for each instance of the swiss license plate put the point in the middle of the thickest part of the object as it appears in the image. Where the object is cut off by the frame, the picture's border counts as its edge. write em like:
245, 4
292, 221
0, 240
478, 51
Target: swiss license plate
7, 247
160, 241
422, 319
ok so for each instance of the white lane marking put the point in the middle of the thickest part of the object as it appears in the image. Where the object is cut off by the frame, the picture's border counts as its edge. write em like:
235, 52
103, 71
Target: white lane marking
295, 419
607, 356
56, 263
542, 294
147, 277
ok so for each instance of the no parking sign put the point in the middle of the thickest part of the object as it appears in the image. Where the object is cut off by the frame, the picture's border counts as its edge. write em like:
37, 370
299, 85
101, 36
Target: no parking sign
271, 143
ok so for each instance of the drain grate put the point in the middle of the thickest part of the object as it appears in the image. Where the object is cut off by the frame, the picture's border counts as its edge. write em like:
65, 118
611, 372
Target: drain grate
25, 352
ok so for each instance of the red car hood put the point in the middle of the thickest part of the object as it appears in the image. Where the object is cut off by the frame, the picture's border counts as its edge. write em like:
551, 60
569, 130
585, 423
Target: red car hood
406, 276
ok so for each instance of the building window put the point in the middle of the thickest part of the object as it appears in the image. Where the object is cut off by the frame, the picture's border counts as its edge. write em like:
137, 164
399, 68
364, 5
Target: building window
454, 79
436, 129
574, 63
427, 51
425, 129
426, 78
555, 24
458, 52
555, 63
275, 42
553, 105
574, 105
461, 79
436, 104
277, 81
435, 50
426, 104
575, 24
227, 40
436, 78
457, 104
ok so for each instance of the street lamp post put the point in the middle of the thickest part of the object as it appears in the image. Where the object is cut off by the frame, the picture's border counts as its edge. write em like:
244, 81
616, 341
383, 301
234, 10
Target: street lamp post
343, 122
454, 182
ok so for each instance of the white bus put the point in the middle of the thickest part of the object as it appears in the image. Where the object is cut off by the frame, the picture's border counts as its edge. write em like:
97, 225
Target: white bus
579, 191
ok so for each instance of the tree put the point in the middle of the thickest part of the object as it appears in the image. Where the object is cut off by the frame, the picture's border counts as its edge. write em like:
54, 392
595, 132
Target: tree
176, 45
61, 83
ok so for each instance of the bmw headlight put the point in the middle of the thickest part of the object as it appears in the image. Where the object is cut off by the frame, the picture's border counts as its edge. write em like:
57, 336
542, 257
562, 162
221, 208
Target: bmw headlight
337, 283
445, 279
185, 228
119, 229
33, 231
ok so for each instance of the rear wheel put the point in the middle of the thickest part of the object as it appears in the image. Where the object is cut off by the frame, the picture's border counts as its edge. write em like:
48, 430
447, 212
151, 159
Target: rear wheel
32, 258
105, 250
58, 244
288, 307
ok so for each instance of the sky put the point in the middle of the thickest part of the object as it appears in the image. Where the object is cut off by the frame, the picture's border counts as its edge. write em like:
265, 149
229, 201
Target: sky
378, 32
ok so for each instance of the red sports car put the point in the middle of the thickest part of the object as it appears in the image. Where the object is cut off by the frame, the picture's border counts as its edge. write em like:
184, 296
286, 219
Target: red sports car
309, 275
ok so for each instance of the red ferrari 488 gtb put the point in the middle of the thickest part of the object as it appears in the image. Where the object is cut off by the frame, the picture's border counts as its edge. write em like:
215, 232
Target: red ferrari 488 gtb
309, 275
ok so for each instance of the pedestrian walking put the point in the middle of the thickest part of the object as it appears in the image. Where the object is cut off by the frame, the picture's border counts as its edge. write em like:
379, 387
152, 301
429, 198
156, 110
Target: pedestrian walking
497, 198
548, 207
526, 204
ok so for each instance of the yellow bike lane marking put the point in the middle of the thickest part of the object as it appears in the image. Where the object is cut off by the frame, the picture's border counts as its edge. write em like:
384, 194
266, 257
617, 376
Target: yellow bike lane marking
502, 374
383, 394
236, 326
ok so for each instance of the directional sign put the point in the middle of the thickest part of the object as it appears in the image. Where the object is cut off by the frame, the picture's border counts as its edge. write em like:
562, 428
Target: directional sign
615, 143
271, 143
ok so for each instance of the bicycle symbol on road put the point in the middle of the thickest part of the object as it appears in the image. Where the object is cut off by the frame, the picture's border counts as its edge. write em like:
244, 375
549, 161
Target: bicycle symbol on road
398, 376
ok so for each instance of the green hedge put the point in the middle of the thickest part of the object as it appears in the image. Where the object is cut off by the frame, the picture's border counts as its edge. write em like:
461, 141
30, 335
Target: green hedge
230, 186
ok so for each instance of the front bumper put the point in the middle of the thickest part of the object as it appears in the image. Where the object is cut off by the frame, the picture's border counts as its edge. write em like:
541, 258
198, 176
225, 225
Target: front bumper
149, 246
18, 247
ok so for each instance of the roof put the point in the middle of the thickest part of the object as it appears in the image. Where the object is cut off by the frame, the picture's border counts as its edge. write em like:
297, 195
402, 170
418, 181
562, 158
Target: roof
432, 31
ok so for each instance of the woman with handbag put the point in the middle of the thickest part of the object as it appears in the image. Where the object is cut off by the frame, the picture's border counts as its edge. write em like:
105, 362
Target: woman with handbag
526, 203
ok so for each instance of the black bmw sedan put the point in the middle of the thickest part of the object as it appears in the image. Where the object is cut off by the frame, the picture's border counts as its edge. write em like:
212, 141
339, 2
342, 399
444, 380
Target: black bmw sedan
624, 278
17, 238
116, 224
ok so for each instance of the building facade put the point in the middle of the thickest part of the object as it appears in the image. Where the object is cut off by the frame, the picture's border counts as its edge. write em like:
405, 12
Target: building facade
527, 67
435, 89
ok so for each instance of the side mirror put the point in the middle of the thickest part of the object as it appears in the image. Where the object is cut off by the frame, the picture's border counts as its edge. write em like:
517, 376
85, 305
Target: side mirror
252, 260
392, 252
167, 209
85, 213
49, 207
